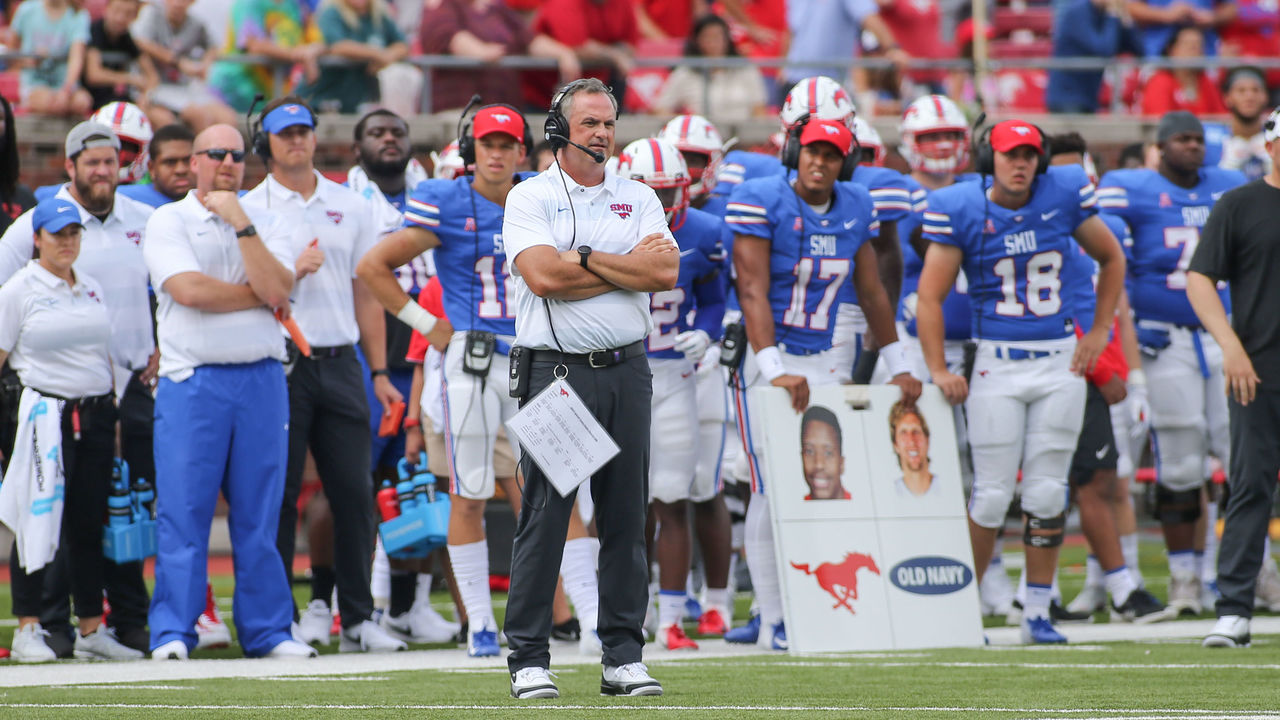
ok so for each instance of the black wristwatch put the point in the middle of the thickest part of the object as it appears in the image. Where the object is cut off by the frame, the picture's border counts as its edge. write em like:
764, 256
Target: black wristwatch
373, 374
584, 252
249, 231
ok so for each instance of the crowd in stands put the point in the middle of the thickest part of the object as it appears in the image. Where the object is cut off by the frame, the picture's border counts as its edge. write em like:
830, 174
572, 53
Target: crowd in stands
183, 59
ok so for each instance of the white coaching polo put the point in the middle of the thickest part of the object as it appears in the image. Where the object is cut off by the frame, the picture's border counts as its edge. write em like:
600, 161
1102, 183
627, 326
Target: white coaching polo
111, 253
342, 222
611, 217
56, 334
185, 237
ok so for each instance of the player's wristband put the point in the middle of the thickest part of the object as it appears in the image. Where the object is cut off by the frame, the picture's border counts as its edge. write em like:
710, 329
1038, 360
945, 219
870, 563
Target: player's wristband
413, 315
895, 358
769, 360
412, 422
1137, 377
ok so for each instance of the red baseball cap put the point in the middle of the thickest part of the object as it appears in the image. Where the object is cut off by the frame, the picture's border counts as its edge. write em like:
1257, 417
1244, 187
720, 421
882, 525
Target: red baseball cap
1010, 134
498, 119
828, 131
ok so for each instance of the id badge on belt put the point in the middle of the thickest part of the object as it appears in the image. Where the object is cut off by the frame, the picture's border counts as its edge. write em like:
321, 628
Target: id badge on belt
562, 436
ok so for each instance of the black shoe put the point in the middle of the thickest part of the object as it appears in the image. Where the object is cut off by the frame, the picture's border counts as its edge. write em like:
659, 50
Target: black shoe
460, 638
569, 630
1059, 614
1141, 607
138, 638
62, 641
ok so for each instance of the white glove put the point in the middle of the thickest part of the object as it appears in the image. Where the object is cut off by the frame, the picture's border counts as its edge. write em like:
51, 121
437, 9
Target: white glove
693, 343
710, 360
1139, 408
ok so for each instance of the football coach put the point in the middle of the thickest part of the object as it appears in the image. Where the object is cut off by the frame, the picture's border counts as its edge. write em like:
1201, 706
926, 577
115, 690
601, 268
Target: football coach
586, 248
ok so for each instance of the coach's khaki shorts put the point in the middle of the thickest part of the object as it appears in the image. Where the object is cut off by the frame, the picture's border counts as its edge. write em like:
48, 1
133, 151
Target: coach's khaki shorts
504, 464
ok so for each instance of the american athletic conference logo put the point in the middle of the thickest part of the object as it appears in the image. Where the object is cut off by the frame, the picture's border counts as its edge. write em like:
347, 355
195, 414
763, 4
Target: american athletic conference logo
840, 580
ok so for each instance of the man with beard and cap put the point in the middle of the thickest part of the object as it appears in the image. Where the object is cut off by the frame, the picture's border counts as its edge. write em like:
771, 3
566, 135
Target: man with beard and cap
1165, 209
114, 228
1241, 145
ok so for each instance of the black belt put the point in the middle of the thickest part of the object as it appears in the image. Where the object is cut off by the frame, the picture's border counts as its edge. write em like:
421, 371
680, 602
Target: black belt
596, 359
327, 353
86, 401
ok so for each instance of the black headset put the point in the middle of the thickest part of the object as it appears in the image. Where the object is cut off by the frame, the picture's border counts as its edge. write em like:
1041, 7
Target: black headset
791, 151
984, 157
467, 141
259, 139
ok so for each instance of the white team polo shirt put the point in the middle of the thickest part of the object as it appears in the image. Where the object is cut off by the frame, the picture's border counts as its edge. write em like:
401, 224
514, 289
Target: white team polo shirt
111, 252
611, 217
182, 237
56, 334
324, 301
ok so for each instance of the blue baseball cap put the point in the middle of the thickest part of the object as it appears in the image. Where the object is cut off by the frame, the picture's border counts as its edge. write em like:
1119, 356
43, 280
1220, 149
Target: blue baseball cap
287, 116
54, 214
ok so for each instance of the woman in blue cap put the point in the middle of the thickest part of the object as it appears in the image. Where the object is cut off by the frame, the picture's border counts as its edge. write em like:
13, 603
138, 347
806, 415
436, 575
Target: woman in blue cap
55, 331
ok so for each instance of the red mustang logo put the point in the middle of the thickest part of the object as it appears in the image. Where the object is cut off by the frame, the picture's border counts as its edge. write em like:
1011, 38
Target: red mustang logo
841, 580
335, 216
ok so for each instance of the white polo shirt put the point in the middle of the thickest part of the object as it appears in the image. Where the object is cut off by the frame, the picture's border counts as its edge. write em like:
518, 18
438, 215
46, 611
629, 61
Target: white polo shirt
324, 301
182, 237
610, 217
111, 251
57, 335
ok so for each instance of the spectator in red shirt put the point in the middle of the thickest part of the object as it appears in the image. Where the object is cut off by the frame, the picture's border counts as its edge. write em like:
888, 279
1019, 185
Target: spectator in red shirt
1255, 33
916, 26
486, 30
1183, 88
662, 19
601, 32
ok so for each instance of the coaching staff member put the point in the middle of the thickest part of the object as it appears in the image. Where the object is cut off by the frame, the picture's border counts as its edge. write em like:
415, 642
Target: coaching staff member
1239, 244
586, 249
222, 409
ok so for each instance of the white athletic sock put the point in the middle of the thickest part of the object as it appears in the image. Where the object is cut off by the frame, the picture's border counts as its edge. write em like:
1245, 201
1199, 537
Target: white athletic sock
1129, 548
422, 595
760, 561
1120, 584
1037, 604
380, 578
578, 570
471, 572
1182, 562
717, 598
1021, 593
670, 607
1093, 572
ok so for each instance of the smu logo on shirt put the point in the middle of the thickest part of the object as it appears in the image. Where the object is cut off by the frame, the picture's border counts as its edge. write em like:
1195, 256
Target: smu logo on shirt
822, 245
1020, 242
623, 210
1195, 216
135, 236
334, 215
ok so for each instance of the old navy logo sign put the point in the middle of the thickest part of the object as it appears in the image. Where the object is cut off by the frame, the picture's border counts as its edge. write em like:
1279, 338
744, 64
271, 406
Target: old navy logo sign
334, 215
623, 210
840, 580
933, 575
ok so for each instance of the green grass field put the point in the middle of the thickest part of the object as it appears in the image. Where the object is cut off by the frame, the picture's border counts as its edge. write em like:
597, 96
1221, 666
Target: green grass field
1158, 678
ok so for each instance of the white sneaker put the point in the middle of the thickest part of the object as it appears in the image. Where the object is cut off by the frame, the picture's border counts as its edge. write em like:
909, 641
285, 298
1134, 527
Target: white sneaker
422, 624
1266, 593
589, 644
293, 649
532, 683
1184, 595
29, 645
315, 623
211, 632
101, 644
995, 591
172, 650
369, 636
631, 679
1091, 599
1230, 631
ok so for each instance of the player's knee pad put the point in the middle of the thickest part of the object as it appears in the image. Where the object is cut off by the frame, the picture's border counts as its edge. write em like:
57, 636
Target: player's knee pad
1042, 532
1043, 497
1177, 506
989, 502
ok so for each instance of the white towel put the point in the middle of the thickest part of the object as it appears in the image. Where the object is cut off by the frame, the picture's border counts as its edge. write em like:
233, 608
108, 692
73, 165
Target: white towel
31, 495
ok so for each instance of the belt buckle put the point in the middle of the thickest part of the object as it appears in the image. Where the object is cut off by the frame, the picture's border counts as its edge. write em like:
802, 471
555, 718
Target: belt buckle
591, 359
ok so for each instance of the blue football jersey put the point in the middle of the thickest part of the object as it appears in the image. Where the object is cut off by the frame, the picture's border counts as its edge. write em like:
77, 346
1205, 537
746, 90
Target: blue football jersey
701, 257
738, 166
811, 255
471, 260
1013, 259
1080, 276
145, 193
1165, 220
889, 191
957, 312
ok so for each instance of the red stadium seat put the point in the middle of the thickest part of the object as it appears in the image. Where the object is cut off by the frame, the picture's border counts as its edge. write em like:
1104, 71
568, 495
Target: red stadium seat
9, 86
1013, 50
1038, 20
1021, 90
644, 83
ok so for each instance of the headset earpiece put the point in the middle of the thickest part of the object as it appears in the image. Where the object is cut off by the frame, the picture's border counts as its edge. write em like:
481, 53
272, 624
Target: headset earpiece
1046, 152
556, 123
851, 160
791, 147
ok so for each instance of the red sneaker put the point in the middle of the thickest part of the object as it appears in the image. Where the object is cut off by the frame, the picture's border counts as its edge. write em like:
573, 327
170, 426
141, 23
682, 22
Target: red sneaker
4, 653
712, 623
672, 637
336, 628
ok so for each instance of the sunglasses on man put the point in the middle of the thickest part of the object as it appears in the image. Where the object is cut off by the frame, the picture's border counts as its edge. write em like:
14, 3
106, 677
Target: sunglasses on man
220, 154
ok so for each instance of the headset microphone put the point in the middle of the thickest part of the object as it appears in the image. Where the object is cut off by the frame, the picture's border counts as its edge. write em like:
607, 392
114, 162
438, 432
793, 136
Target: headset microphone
597, 156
